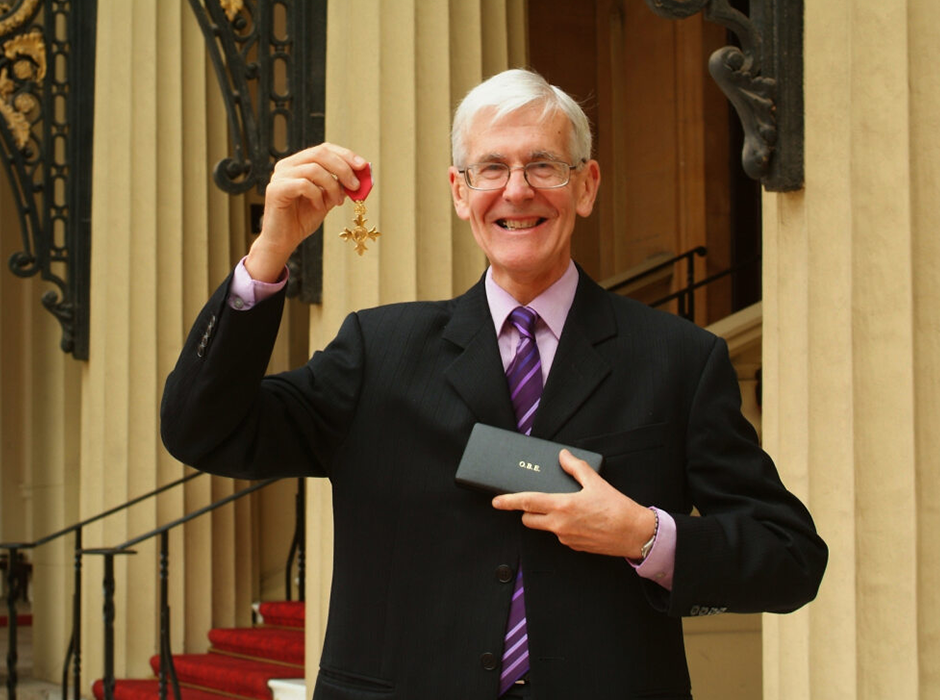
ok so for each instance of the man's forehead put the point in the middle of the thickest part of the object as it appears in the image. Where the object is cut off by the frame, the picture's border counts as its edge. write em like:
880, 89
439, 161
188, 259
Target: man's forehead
538, 154
540, 135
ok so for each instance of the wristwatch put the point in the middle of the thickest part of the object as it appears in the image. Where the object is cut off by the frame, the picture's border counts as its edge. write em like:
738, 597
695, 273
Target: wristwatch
645, 549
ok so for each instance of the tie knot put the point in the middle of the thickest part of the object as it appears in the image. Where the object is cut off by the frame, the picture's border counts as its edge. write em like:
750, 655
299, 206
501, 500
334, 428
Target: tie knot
524, 318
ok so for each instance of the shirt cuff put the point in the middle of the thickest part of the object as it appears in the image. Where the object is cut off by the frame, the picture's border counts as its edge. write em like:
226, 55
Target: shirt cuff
244, 292
660, 563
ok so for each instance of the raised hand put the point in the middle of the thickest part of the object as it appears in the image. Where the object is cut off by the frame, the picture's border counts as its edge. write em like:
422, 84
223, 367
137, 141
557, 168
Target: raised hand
303, 189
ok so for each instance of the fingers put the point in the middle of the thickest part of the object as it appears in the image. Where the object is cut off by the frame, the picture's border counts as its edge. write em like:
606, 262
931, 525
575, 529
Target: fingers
527, 501
328, 166
538, 509
317, 174
578, 468
536, 502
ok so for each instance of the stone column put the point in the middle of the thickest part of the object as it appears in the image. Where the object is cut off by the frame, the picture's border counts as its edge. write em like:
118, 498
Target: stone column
39, 424
851, 362
54, 422
163, 236
39, 427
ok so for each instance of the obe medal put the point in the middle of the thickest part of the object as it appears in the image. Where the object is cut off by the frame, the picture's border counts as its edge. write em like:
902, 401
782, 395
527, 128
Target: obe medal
359, 233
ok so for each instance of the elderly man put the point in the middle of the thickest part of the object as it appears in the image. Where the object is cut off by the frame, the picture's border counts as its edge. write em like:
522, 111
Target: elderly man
444, 592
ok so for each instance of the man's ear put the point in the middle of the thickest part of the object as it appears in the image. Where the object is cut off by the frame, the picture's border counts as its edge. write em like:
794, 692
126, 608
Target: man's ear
459, 191
588, 184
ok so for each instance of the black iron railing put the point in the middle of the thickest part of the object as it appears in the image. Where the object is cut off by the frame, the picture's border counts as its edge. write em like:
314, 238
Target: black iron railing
684, 297
167, 670
298, 545
73, 654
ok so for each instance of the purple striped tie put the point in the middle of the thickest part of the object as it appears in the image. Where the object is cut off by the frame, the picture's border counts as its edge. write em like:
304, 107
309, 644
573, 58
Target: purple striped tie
525, 388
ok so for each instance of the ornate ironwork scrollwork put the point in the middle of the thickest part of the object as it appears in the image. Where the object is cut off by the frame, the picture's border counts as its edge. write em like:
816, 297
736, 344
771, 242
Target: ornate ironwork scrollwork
763, 79
269, 57
46, 111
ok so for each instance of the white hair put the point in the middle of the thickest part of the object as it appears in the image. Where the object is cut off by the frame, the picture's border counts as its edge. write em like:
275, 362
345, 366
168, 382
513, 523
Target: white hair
510, 91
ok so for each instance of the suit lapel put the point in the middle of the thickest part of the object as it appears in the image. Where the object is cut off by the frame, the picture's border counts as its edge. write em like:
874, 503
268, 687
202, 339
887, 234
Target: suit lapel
578, 368
477, 372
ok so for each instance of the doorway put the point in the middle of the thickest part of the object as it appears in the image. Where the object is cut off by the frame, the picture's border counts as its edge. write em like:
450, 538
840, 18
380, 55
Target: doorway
668, 143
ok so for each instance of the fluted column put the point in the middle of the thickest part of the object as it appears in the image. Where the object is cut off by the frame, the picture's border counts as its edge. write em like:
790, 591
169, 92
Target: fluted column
20, 306
39, 427
851, 368
163, 236
53, 469
923, 19
395, 72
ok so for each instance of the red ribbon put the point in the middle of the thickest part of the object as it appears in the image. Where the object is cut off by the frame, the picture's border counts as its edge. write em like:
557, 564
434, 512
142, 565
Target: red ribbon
365, 184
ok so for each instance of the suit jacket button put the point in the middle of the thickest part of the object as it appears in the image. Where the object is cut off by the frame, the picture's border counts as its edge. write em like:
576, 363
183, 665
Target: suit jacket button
488, 661
504, 573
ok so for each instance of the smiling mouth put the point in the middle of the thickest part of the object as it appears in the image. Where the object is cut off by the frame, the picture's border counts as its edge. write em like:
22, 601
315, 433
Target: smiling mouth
519, 224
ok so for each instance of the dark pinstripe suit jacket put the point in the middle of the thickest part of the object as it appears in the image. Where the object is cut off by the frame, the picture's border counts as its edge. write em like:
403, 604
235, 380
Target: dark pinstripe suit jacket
417, 608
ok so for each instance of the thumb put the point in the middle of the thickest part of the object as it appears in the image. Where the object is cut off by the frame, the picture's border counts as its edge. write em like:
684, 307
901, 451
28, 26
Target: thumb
578, 468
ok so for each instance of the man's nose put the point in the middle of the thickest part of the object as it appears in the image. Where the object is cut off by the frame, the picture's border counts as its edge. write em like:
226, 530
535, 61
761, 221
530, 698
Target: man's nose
517, 187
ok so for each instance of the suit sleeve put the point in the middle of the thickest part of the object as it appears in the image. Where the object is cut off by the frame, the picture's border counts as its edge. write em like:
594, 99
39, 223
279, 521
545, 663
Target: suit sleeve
221, 414
753, 547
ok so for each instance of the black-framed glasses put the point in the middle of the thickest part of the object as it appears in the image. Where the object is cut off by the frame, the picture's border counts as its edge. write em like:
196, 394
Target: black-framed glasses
540, 174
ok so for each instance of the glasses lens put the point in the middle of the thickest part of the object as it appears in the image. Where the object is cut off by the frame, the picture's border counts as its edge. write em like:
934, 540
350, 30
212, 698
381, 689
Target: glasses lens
488, 176
546, 173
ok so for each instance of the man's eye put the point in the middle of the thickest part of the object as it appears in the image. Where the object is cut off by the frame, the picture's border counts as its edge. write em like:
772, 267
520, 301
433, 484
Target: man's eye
541, 168
491, 169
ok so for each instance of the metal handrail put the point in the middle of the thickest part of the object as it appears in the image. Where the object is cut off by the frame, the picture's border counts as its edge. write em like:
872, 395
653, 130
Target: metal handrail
688, 290
13, 591
686, 295
73, 653
166, 658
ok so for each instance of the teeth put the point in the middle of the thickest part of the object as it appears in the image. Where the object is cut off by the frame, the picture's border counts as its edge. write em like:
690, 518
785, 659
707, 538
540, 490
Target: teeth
516, 224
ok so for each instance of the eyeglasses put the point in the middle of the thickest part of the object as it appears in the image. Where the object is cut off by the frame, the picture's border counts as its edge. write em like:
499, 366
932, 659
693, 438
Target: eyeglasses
540, 174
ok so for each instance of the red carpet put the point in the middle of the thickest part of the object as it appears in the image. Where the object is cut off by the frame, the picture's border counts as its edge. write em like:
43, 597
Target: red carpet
25, 620
282, 645
148, 690
286, 613
228, 674
240, 664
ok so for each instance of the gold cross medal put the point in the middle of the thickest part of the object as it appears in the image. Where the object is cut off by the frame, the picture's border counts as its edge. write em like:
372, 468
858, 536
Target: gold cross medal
359, 233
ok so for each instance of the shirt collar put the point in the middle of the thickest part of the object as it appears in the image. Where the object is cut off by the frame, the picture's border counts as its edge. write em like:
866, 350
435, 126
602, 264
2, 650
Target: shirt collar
552, 305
